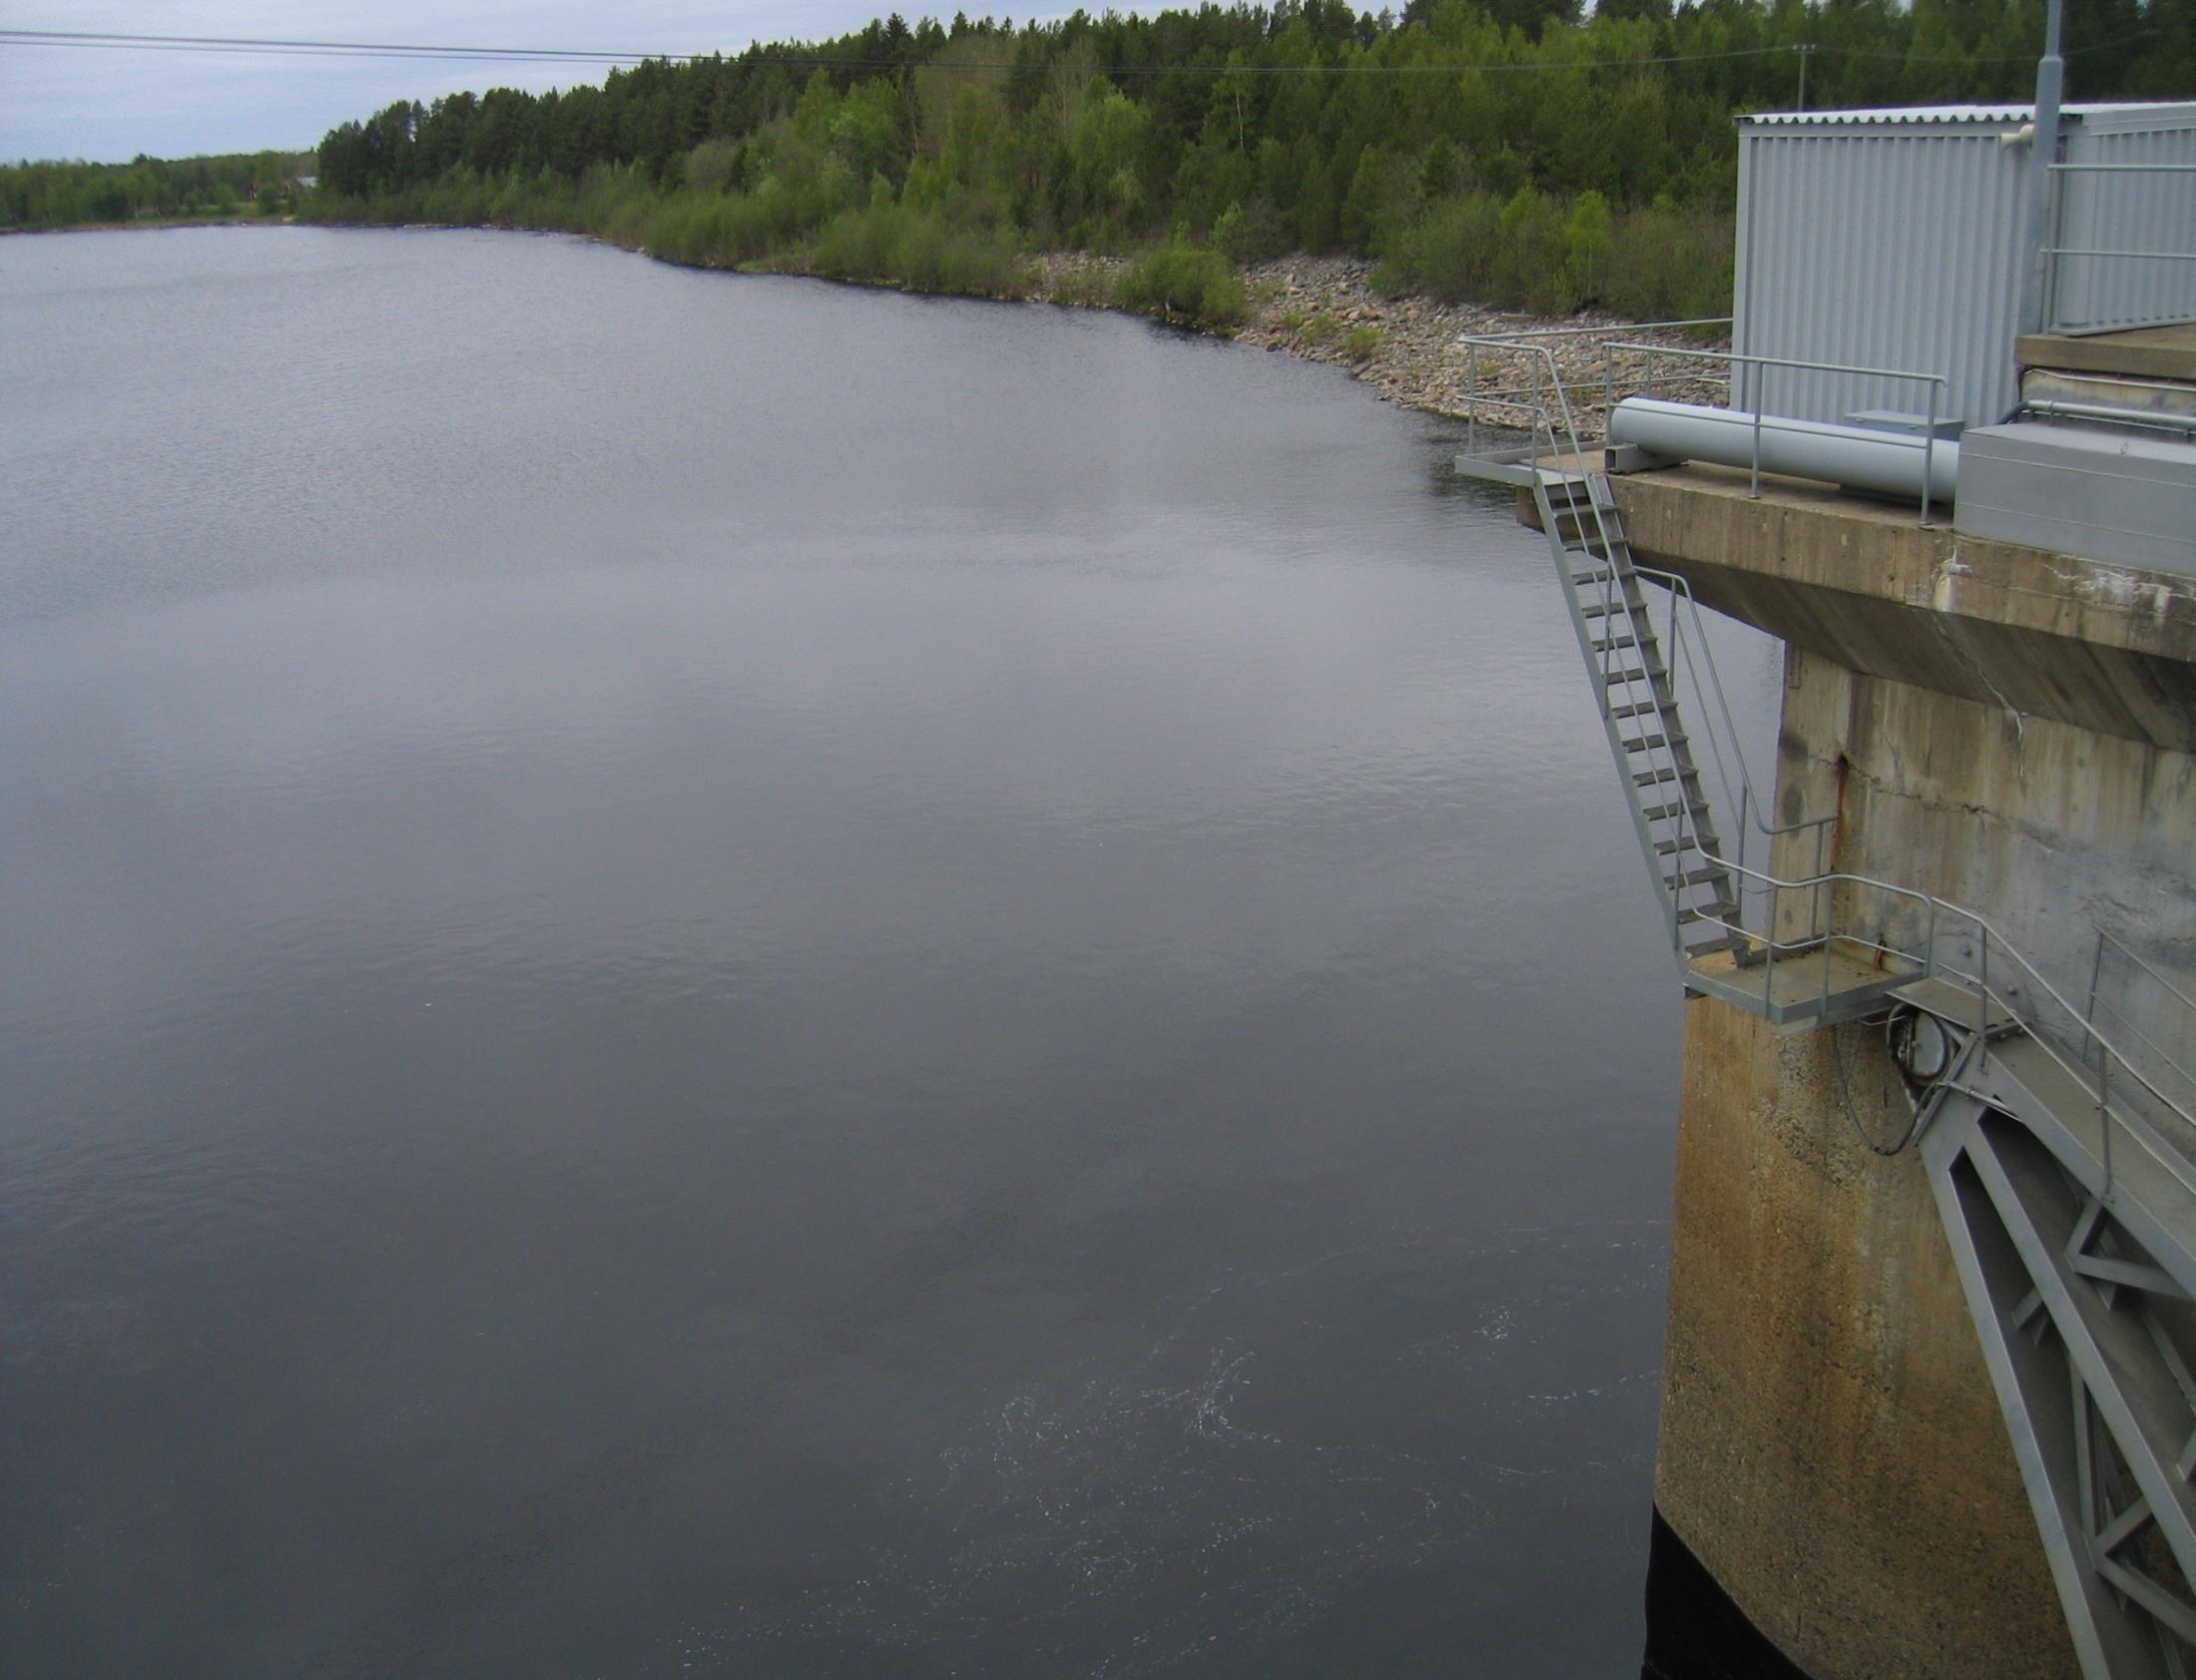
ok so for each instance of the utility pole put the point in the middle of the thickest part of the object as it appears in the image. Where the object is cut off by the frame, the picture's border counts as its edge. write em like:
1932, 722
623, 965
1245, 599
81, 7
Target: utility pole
1806, 49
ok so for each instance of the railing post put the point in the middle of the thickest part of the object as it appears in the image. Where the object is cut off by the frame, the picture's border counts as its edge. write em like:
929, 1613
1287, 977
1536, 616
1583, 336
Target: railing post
2089, 1005
1983, 1002
2105, 1124
1541, 413
1769, 944
1818, 923
1754, 484
1471, 399
1828, 941
1928, 455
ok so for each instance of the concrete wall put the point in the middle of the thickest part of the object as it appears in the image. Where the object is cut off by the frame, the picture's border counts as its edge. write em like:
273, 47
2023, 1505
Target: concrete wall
2052, 830
1832, 1447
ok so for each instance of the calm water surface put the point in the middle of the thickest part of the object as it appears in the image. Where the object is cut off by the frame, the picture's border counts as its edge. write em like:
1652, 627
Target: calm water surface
713, 975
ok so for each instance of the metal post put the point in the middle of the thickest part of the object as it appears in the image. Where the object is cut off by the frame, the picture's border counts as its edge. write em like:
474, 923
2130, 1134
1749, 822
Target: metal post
1816, 916
1471, 399
1928, 455
1805, 51
2104, 1123
1982, 1005
2044, 153
1539, 412
1754, 484
1826, 943
2089, 1007
1776, 914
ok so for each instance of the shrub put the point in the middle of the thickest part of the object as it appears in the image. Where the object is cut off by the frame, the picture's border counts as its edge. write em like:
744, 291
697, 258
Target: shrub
1182, 282
1363, 343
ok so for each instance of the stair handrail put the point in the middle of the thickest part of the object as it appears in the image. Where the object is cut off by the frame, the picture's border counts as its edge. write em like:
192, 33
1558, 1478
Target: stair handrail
2098, 1064
1543, 415
2107, 940
1749, 804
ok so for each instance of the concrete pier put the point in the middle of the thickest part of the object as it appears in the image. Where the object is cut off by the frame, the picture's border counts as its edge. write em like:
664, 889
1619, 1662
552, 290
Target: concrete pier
2008, 728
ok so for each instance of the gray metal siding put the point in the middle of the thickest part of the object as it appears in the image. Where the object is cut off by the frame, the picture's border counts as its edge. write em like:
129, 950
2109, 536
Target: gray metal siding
2130, 501
2126, 213
1893, 245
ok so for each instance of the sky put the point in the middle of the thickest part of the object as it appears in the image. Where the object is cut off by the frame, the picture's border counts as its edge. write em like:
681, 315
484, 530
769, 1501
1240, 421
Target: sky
108, 105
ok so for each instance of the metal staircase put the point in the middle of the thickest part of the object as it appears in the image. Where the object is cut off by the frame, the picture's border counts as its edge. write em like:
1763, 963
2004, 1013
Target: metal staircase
2062, 1159
1639, 710
1790, 966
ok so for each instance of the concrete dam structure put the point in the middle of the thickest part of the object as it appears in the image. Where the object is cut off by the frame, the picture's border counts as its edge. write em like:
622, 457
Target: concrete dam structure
1928, 1398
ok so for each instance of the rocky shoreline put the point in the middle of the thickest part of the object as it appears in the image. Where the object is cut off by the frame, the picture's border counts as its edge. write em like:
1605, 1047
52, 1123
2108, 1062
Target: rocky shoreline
1325, 308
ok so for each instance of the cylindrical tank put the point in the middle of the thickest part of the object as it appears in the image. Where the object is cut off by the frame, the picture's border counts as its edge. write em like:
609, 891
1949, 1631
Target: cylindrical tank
1885, 461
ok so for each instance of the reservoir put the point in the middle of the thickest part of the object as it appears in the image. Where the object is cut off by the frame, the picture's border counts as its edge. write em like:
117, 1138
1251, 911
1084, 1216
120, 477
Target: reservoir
707, 974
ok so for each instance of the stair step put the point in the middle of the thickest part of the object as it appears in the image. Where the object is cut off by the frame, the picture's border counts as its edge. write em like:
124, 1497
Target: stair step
1658, 812
1600, 609
1634, 674
1612, 644
1687, 842
1695, 878
1649, 777
1638, 709
1721, 942
1721, 911
1645, 743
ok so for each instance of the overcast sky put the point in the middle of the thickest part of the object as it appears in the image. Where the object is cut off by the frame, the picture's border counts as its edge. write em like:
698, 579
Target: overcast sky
108, 105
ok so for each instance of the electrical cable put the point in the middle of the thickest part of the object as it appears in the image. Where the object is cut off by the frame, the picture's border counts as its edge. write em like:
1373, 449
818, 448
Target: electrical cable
1845, 1100
282, 48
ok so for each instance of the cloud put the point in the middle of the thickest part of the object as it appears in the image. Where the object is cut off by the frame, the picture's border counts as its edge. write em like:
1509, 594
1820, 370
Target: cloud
112, 105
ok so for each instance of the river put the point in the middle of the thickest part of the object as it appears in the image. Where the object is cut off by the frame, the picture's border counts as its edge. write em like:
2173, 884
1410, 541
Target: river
713, 974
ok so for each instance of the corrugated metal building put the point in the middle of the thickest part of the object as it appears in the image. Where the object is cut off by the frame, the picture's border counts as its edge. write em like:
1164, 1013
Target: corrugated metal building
1898, 239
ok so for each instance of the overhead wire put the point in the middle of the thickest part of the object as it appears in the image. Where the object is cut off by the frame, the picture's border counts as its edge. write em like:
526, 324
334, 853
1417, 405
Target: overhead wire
281, 47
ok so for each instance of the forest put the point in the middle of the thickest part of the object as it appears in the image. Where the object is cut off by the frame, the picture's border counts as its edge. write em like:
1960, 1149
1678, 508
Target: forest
1510, 151
72, 195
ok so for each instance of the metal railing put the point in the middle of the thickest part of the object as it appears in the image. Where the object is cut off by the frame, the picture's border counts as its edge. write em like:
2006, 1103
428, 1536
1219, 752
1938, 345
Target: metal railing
1824, 915
1552, 425
1533, 342
1917, 936
1528, 400
2054, 255
1939, 386
2142, 983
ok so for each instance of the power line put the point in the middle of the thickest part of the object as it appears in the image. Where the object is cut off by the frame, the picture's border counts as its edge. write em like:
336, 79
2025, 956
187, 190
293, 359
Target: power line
272, 47
275, 47
257, 43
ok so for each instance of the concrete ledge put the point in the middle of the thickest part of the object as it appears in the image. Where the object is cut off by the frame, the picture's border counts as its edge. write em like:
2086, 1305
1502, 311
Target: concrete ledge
2144, 352
1861, 583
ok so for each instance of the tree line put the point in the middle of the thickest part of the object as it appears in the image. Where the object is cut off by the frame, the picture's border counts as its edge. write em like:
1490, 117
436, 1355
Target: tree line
72, 195
1502, 150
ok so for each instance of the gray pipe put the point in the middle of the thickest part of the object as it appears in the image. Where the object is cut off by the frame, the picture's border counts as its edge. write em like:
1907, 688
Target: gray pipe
2151, 418
1888, 462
